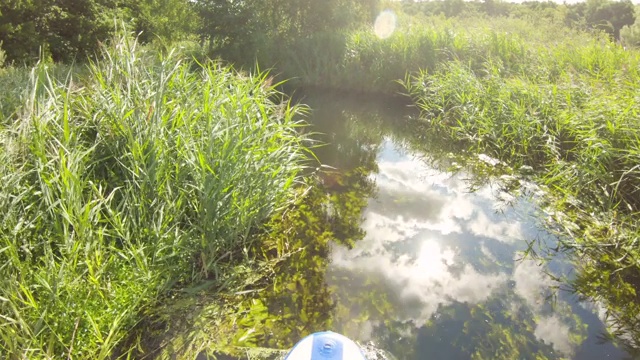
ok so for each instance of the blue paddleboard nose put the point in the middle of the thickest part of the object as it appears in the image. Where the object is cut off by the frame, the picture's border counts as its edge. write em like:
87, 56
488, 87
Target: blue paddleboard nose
326, 346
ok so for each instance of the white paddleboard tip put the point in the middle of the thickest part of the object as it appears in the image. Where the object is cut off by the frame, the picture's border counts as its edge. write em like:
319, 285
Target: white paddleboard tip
326, 345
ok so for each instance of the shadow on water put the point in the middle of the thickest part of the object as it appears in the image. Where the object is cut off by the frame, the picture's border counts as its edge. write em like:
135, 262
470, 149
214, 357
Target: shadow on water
413, 249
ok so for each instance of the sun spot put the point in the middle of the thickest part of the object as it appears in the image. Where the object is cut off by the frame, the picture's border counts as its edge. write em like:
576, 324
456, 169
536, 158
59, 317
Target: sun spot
385, 24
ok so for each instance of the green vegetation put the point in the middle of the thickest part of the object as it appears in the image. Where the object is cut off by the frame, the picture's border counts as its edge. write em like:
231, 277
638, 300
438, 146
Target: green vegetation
140, 176
361, 61
146, 173
276, 310
318, 295
569, 111
281, 294
72, 30
3, 56
605, 15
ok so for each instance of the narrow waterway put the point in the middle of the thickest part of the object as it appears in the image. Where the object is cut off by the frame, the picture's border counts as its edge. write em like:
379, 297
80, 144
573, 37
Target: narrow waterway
439, 272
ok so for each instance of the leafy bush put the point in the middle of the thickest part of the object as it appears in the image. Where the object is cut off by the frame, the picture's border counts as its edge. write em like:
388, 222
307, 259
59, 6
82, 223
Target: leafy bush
630, 35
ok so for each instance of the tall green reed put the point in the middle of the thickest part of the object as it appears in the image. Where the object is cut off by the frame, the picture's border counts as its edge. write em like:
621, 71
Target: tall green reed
11, 88
578, 124
144, 174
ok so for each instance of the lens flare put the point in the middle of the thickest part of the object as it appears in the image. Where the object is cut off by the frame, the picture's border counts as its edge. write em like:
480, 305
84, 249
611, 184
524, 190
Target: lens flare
385, 24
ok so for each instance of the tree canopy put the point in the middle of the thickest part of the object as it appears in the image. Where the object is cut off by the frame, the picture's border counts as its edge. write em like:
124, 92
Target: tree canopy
606, 15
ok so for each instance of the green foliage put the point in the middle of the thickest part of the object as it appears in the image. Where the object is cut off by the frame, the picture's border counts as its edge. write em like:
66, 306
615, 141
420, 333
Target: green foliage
147, 172
533, 122
630, 35
235, 29
606, 15
165, 20
19, 29
569, 113
610, 16
612, 279
360, 61
72, 30
64, 30
296, 301
282, 295
479, 9
13, 89
228, 26
3, 56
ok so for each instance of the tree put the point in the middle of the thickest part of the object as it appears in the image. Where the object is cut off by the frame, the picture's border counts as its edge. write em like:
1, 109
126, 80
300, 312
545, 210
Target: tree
453, 7
609, 16
495, 7
630, 35
71, 29
61, 29
613, 15
20, 25
167, 20
74, 28
234, 28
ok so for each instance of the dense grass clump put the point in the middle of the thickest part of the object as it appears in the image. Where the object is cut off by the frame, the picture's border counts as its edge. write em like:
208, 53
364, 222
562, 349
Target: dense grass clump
145, 174
580, 130
11, 88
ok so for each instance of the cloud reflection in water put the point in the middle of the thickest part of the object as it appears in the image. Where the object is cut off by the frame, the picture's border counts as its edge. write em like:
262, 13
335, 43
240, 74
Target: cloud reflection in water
427, 237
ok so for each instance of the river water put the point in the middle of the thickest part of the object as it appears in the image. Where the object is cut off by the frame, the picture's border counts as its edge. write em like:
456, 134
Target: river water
439, 271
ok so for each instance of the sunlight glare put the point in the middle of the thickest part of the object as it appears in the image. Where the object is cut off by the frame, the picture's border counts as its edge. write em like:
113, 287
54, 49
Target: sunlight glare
385, 24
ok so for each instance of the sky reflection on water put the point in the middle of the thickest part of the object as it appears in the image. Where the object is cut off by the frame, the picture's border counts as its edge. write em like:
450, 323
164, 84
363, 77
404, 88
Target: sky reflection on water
432, 245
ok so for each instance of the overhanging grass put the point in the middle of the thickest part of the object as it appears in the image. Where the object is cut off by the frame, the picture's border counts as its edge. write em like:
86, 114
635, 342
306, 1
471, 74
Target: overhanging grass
142, 175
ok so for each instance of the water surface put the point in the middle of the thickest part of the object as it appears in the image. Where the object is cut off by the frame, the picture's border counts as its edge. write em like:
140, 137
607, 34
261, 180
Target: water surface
433, 265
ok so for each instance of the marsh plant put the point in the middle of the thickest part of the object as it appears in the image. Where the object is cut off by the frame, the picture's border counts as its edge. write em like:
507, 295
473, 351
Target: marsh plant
361, 60
144, 174
570, 115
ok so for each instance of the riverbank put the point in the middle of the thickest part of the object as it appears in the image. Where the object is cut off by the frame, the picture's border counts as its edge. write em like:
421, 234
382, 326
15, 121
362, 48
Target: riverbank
568, 113
366, 61
145, 175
